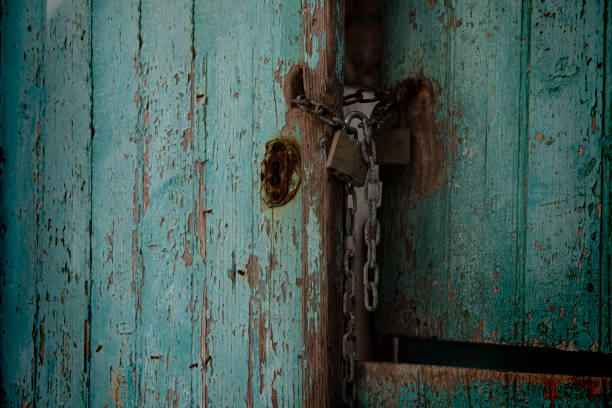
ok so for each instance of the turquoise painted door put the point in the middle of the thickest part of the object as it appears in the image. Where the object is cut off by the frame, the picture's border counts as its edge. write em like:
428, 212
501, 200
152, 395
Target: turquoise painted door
499, 231
140, 266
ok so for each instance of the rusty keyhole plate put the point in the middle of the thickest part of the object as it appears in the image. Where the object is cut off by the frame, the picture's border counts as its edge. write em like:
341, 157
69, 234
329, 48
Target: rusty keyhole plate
280, 172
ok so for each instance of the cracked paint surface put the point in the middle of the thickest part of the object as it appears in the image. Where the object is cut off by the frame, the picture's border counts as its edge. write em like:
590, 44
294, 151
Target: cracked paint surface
143, 268
513, 245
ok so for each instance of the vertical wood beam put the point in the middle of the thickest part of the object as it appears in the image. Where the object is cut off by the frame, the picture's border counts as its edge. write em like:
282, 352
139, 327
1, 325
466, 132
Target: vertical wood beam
323, 35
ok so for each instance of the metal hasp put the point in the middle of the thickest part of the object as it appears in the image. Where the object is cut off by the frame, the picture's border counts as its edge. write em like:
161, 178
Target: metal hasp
280, 172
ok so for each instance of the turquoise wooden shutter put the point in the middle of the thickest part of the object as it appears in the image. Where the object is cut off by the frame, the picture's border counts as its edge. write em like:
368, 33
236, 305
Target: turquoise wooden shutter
499, 232
139, 265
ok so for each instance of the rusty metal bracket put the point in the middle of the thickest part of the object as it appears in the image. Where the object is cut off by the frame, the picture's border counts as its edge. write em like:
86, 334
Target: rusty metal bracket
280, 172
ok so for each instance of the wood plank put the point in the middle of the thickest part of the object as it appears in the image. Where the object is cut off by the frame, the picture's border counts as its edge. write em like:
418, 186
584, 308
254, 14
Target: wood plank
197, 296
20, 185
117, 178
494, 233
606, 192
167, 236
322, 214
391, 385
65, 214
563, 241
268, 275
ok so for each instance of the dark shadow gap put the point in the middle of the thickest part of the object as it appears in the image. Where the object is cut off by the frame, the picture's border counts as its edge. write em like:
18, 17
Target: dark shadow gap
505, 357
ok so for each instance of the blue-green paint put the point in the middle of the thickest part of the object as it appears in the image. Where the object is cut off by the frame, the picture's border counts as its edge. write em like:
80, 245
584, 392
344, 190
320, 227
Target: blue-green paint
404, 385
139, 264
21, 109
505, 236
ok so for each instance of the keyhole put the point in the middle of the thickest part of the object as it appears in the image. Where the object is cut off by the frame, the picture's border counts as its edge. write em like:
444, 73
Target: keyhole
275, 173
279, 172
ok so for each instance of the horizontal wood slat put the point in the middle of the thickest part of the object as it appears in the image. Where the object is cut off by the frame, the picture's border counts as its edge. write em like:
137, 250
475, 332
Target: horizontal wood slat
405, 385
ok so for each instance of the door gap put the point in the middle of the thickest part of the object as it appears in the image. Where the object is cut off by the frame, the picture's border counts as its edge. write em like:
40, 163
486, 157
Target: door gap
522, 359
362, 69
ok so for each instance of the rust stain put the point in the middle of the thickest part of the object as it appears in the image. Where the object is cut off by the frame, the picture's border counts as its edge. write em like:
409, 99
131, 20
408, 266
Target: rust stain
262, 347
24, 402
134, 257
539, 137
187, 139
598, 210
277, 73
115, 388
172, 398
187, 256
135, 197
374, 376
252, 268
188, 133
582, 255
110, 242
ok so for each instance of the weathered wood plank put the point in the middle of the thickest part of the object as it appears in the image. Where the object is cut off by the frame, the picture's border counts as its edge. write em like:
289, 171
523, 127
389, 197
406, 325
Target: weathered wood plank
252, 332
563, 275
20, 185
405, 385
116, 203
606, 189
323, 31
167, 232
180, 101
64, 239
264, 337
503, 242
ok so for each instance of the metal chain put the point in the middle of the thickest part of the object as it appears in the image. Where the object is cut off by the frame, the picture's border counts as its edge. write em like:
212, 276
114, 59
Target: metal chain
358, 96
370, 269
349, 345
371, 192
323, 113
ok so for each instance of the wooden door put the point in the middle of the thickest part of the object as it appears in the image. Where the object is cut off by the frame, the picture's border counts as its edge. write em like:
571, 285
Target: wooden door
140, 267
499, 232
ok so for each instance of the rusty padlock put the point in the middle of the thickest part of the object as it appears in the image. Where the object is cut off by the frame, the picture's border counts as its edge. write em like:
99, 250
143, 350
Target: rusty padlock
345, 159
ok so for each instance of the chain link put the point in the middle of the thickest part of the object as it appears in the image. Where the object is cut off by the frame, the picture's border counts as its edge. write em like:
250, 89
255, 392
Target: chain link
358, 96
371, 192
324, 114
349, 346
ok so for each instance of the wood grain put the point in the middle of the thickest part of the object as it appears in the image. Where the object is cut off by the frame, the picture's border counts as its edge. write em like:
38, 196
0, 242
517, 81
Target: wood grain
392, 385
64, 277
507, 240
140, 266
20, 185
